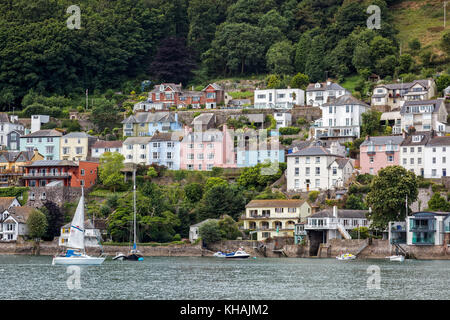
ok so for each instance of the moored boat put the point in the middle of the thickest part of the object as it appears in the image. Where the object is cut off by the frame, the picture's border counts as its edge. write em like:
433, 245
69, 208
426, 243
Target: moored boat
220, 254
239, 254
346, 256
397, 258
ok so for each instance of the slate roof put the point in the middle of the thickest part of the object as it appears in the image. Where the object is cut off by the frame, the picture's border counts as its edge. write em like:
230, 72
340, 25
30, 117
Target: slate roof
150, 117
405, 86
164, 136
252, 117
78, 135
436, 104
383, 140
313, 151
52, 163
342, 162
439, 141
137, 140
341, 213
290, 203
175, 87
20, 214
44, 133
214, 85
346, 99
324, 86
409, 142
5, 202
101, 144
4, 117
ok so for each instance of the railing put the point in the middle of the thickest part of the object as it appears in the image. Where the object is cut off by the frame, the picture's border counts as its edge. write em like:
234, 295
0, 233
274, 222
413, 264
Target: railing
430, 228
46, 174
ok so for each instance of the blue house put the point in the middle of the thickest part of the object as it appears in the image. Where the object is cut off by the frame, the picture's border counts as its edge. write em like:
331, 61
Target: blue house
147, 123
249, 152
164, 149
46, 141
426, 228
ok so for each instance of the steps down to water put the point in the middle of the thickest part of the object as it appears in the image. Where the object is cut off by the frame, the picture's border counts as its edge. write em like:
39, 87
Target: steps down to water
343, 232
362, 247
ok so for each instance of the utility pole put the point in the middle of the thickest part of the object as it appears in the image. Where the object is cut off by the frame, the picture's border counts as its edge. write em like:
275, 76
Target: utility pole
445, 12
87, 98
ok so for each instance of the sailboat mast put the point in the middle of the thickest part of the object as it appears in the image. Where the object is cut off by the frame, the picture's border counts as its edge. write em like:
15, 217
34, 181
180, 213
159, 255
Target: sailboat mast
134, 204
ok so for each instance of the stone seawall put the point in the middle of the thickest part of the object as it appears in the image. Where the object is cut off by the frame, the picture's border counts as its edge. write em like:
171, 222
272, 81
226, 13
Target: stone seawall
51, 248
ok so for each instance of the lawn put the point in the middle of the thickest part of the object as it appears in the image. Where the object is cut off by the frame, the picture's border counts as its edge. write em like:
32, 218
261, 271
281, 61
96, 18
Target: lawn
350, 83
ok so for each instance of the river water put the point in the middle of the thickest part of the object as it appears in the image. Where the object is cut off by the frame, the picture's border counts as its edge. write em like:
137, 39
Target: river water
193, 278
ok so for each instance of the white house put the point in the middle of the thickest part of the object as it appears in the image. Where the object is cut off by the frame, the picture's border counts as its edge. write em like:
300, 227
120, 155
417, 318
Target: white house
7, 125
437, 157
283, 119
91, 235
316, 168
425, 115
447, 92
279, 98
395, 94
101, 146
412, 152
14, 222
136, 150
194, 230
319, 93
426, 228
37, 120
334, 224
341, 118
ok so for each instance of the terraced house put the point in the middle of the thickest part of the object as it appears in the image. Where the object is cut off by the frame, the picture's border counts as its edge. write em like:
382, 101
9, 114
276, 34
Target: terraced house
164, 149
379, 152
136, 150
12, 165
425, 115
76, 146
47, 142
102, 146
272, 218
147, 123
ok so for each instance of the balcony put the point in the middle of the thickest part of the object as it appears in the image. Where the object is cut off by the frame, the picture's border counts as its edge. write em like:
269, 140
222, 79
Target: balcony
427, 239
47, 175
422, 226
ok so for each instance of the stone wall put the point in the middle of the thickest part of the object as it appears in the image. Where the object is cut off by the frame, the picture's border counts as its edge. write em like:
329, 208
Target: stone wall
50, 248
57, 194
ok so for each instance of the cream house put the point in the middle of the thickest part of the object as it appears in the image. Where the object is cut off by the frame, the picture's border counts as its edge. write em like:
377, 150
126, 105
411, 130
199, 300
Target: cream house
136, 150
76, 146
275, 218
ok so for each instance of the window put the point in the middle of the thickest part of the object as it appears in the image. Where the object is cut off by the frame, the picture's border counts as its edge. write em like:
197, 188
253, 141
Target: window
143, 146
209, 166
82, 172
210, 156
190, 167
390, 158
404, 161
317, 159
419, 149
317, 183
434, 149
79, 150
405, 150
66, 150
29, 140
296, 183
411, 149
411, 161
334, 171
190, 156
297, 171
169, 155
279, 210
317, 171
371, 159
297, 160
143, 156
191, 146
434, 160
419, 160
157, 144
49, 139
49, 149
170, 144
156, 155
307, 160
200, 156
433, 172
199, 167
444, 172
444, 160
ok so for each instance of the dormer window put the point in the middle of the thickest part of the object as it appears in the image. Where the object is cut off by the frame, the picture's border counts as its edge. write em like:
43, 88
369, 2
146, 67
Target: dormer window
416, 138
317, 85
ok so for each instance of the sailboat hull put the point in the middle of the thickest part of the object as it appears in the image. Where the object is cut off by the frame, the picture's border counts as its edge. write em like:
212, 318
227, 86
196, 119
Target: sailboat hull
81, 260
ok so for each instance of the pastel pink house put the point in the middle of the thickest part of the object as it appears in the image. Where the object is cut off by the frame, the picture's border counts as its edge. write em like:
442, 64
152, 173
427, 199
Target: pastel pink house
377, 153
203, 150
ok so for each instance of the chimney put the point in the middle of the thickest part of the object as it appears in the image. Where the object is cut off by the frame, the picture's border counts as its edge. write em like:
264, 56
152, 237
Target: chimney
335, 211
35, 152
367, 138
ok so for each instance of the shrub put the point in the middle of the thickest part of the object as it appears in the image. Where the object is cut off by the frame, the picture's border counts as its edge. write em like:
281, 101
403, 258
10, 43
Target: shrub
289, 130
364, 178
363, 233
313, 195
176, 237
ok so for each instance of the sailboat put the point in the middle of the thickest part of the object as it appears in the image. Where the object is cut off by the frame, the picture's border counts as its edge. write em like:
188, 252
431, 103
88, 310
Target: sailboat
75, 253
134, 254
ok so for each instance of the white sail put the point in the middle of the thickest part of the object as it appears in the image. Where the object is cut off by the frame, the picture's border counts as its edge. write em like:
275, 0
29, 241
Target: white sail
76, 236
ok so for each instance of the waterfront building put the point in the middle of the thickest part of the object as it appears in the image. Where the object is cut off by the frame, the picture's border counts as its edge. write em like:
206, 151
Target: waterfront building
91, 235
394, 95
102, 146
275, 218
278, 98
194, 230
379, 152
341, 119
13, 222
317, 168
318, 93
136, 150
46, 141
333, 224
427, 228
397, 232
164, 149
71, 174
147, 123
425, 115
76, 146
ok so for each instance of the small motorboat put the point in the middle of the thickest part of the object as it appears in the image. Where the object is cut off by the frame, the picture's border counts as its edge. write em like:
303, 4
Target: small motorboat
220, 254
119, 256
239, 254
397, 258
346, 256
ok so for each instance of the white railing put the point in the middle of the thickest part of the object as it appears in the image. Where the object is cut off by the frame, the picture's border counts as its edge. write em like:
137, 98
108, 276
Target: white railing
47, 174
343, 232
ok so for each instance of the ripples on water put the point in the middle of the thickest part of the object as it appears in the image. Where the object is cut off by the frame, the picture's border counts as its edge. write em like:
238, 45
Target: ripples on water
29, 277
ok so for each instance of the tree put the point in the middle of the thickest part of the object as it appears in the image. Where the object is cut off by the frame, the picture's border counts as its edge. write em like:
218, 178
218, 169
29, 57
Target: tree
299, 81
445, 43
405, 63
37, 224
173, 61
315, 65
109, 169
55, 220
228, 228
370, 123
414, 44
442, 82
279, 58
273, 82
253, 177
355, 202
210, 232
193, 192
219, 200
151, 172
388, 193
105, 114
438, 203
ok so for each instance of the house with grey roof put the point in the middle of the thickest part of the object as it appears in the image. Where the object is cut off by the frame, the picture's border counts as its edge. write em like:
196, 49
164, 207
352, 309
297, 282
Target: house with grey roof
323, 92
147, 123
379, 152
102, 146
333, 224
9, 124
395, 94
425, 115
76, 146
447, 92
341, 119
13, 222
316, 168
136, 150
46, 141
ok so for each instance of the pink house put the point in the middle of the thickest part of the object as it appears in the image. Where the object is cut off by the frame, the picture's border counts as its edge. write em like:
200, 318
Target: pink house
379, 152
203, 150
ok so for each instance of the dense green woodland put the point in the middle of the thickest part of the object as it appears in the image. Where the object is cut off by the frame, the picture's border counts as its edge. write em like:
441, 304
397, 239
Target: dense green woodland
123, 42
